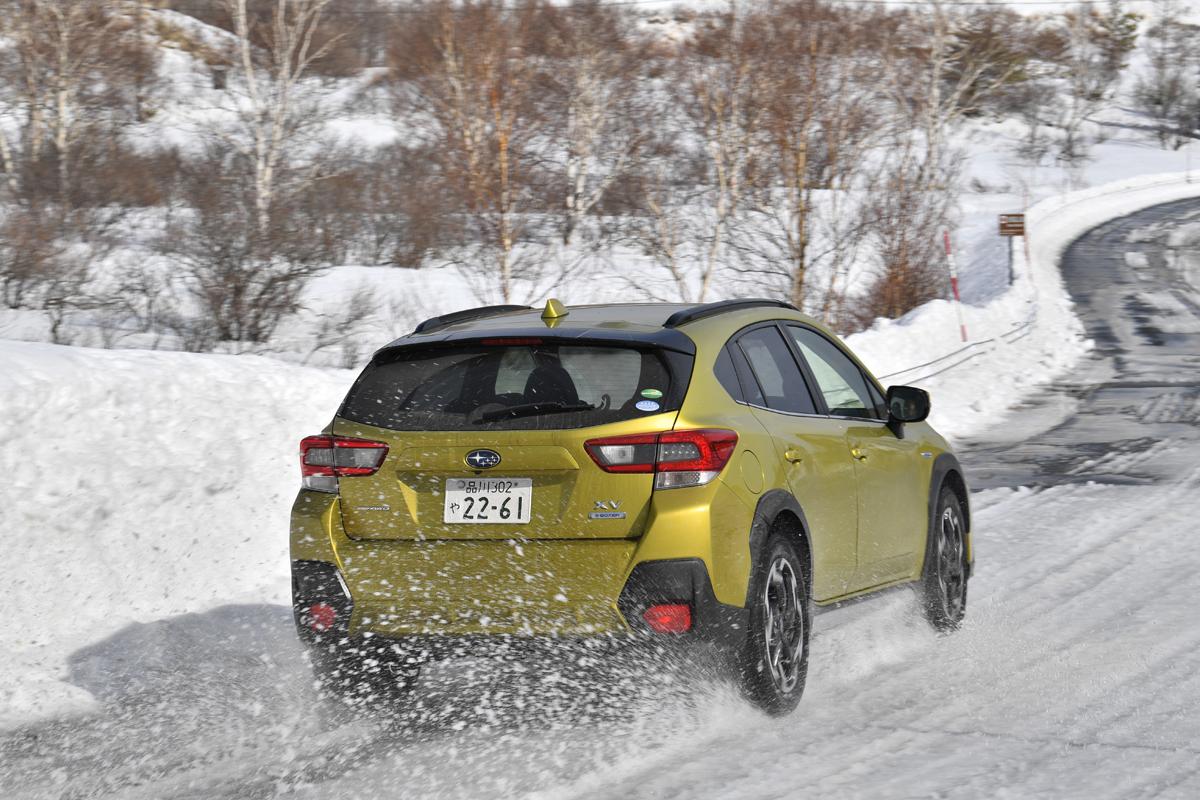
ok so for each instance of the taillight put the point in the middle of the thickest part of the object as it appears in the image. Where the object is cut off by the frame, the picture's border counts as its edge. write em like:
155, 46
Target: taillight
624, 453
324, 459
679, 458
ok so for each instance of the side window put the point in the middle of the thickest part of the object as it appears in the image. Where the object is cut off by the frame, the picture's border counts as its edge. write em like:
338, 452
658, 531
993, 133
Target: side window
777, 372
838, 378
727, 375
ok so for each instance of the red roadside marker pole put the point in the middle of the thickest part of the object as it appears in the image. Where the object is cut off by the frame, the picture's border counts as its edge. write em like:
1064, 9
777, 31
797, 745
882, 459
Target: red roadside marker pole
962, 325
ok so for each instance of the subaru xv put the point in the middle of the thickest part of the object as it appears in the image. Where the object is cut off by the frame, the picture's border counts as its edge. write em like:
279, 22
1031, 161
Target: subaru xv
689, 475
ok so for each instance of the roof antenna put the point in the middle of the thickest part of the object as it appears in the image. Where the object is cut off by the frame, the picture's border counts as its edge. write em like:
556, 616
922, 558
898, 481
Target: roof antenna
553, 312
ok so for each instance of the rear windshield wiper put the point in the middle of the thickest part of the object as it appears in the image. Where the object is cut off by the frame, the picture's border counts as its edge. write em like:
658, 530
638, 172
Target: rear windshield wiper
530, 409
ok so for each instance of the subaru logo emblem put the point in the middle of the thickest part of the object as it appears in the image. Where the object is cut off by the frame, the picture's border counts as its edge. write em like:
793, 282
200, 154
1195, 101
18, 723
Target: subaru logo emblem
483, 459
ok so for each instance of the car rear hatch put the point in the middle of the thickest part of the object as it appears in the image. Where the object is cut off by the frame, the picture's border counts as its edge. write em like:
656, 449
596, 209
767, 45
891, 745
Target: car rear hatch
485, 437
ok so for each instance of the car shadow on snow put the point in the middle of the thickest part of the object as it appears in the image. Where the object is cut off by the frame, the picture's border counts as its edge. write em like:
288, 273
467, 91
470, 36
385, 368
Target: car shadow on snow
174, 694
231, 660
233, 686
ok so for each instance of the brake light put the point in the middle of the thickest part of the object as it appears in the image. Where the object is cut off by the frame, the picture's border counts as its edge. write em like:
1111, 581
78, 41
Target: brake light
679, 458
324, 459
669, 618
510, 342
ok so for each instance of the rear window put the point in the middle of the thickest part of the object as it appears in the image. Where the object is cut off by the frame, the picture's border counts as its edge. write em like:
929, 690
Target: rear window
511, 387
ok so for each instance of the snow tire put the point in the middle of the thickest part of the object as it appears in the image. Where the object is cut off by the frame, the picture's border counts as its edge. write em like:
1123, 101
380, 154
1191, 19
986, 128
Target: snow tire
944, 579
773, 662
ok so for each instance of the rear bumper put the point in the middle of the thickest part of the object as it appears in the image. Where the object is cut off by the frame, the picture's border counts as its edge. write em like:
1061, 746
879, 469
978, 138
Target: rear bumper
649, 583
547, 589
685, 581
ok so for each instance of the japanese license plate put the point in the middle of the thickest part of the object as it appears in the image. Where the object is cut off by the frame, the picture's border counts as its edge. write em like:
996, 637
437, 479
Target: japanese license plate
488, 500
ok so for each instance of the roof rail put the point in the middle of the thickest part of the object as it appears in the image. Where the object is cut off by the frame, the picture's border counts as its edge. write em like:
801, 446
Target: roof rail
712, 309
466, 315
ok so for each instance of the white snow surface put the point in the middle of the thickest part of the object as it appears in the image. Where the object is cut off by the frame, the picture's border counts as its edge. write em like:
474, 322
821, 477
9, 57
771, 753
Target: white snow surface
152, 484
1057, 686
142, 485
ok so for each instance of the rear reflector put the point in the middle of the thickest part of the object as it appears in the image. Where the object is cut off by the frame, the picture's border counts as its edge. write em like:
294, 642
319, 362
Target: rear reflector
669, 618
324, 459
680, 458
320, 617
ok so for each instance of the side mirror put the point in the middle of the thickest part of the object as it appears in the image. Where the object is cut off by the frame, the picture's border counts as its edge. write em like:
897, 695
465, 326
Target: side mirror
907, 404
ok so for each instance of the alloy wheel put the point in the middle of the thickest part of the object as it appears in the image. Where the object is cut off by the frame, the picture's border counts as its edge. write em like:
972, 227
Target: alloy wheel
784, 625
951, 564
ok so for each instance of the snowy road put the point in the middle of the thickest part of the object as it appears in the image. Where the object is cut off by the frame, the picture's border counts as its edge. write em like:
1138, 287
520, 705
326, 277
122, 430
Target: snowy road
1076, 675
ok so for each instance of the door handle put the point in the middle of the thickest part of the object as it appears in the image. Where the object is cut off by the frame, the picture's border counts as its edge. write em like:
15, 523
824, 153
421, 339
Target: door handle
794, 456
858, 453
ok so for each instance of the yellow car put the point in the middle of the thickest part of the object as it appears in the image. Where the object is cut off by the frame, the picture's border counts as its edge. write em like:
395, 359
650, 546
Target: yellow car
683, 474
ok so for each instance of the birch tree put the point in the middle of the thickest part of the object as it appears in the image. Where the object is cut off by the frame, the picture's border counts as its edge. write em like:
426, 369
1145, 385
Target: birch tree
275, 112
64, 59
721, 85
946, 64
476, 85
594, 114
821, 117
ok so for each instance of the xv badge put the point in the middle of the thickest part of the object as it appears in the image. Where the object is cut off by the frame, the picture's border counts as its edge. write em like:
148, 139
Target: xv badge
607, 509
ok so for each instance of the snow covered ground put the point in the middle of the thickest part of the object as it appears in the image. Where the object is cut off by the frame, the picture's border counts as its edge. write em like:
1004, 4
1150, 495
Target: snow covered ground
147, 515
141, 485
161, 481
209, 439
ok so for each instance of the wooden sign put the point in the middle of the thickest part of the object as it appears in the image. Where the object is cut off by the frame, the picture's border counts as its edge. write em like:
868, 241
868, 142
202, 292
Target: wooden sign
1012, 224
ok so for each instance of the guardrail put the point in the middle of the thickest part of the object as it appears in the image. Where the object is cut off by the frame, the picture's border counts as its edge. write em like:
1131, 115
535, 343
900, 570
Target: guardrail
979, 348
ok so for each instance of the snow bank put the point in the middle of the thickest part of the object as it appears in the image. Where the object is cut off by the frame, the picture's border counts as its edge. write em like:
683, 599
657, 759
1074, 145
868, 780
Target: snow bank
142, 485
1024, 337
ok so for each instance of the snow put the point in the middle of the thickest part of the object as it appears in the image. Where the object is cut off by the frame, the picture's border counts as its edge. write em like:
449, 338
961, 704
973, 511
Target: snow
150, 492
163, 480
147, 485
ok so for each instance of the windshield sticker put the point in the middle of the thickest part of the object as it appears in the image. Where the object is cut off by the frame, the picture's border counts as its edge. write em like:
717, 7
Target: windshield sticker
651, 394
646, 405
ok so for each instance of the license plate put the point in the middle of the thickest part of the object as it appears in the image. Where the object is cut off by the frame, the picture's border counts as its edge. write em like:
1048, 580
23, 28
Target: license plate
488, 500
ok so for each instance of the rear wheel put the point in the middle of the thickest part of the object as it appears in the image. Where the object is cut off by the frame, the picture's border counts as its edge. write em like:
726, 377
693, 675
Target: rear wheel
774, 658
944, 584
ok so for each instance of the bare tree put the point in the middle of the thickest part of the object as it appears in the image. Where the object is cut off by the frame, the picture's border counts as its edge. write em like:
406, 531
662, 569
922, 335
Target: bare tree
470, 76
1092, 53
242, 280
947, 63
1167, 92
906, 217
663, 229
344, 329
274, 110
66, 64
721, 86
821, 116
593, 113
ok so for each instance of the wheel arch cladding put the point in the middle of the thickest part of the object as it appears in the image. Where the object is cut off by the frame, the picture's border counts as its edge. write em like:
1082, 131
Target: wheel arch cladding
948, 472
778, 510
